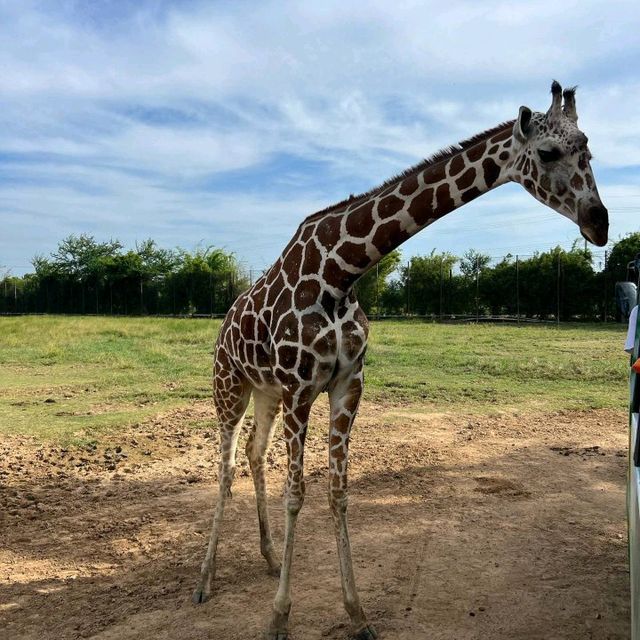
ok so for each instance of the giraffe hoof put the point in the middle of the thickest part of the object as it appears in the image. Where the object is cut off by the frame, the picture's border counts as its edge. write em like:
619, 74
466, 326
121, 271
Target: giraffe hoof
200, 595
276, 635
366, 633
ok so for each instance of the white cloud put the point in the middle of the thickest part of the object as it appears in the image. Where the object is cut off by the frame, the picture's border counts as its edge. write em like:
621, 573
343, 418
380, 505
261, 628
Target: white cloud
356, 94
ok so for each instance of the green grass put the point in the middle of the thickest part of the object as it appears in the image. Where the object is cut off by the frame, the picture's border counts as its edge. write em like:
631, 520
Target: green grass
63, 377
68, 378
484, 367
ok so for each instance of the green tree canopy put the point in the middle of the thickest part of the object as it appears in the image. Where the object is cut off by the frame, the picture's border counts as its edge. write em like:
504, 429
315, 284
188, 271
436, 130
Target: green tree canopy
473, 262
372, 286
423, 280
76, 256
623, 252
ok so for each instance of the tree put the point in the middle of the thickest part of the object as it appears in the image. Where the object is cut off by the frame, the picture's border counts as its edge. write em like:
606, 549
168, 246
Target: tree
371, 287
156, 261
623, 252
473, 262
207, 281
73, 266
498, 287
76, 254
423, 281
558, 281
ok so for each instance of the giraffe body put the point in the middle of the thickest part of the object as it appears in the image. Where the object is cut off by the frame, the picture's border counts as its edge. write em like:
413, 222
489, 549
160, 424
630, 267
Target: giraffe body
299, 331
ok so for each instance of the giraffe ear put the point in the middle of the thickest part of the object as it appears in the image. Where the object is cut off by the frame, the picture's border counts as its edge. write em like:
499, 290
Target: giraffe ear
522, 125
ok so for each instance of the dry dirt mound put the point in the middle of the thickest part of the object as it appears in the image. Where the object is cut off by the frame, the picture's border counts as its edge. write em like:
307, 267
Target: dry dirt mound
498, 527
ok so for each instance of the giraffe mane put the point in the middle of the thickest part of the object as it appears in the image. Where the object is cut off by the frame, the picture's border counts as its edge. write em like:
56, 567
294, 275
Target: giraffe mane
443, 155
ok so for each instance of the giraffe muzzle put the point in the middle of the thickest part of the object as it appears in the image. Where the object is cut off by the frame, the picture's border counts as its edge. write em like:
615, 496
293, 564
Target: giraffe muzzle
594, 225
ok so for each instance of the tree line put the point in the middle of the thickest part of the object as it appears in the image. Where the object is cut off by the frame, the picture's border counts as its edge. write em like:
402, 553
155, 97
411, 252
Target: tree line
554, 284
86, 276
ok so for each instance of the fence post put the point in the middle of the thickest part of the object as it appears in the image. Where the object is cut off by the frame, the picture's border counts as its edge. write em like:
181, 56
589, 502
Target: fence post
377, 291
408, 287
211, 293
518, 289
477, 288
558, 293
604, 312
441, 284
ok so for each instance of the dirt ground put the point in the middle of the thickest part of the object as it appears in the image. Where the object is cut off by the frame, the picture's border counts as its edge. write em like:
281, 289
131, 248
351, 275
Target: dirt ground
494, 527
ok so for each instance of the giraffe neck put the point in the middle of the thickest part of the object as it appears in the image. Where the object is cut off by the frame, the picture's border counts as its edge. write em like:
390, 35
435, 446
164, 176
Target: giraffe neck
343, 242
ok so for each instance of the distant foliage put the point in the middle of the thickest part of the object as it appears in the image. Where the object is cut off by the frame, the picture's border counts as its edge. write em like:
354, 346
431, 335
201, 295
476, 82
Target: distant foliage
86, 276
423, 282
622, 253
372, 288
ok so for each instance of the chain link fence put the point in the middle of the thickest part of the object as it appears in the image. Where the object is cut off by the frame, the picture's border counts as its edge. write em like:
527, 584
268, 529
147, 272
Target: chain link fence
556, 287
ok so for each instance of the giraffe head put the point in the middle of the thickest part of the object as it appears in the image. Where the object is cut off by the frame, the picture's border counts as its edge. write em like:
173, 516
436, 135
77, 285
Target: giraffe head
551, 161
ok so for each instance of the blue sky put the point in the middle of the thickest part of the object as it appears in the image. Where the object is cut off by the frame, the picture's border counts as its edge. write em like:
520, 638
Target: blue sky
226, 123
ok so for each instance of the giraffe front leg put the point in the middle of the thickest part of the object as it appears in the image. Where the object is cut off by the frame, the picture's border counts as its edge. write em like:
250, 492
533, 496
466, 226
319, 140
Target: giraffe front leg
295, 426
344, 400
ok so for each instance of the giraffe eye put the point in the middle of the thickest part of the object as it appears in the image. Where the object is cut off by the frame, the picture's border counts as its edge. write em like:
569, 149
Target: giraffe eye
549, 156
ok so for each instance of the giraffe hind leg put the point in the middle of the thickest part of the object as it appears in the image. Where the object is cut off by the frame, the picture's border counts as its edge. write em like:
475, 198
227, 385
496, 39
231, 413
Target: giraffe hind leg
344, 399
231, 397
296, 415
266, 411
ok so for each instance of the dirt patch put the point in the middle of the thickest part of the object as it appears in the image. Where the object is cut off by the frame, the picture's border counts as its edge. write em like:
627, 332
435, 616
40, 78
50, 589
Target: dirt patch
492, 527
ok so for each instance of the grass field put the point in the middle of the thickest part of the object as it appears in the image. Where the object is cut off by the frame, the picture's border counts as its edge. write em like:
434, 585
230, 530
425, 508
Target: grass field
486, 473
66, 378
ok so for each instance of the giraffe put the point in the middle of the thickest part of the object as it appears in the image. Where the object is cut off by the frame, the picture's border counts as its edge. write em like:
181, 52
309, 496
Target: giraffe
299, 331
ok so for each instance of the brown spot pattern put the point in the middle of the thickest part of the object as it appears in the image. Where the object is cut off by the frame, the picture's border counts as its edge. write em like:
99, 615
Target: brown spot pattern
466, 179
335, 275
470, 194
291, 264
306, 366
307, 293
435, 173
420, 207
360, 222
283, 303
388, 236
326, 344
409, 185
589, 179
355, 254
491, 171
312, 259
287, 356
503, 135
456, 165
389, 206
444, 201
329, 231
577, 182
477, 151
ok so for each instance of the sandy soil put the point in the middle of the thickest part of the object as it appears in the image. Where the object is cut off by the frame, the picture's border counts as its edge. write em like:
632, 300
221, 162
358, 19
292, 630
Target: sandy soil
492, 527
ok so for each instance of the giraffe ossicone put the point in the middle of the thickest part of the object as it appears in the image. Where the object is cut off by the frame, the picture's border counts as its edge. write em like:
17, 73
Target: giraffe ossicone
299, 331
